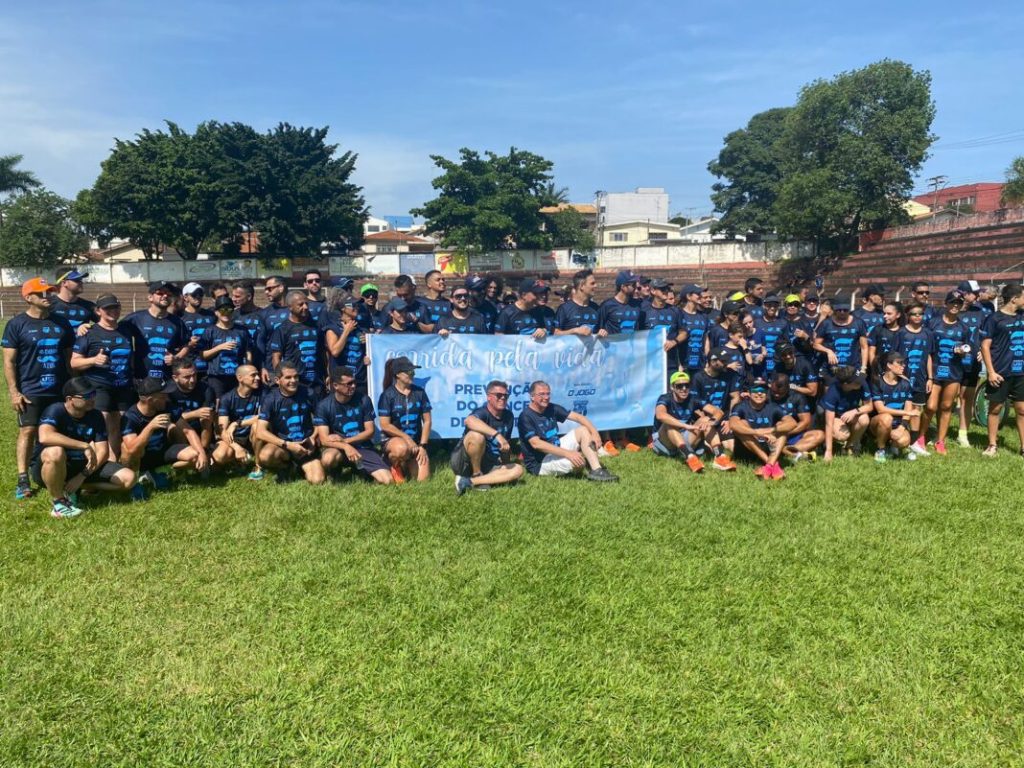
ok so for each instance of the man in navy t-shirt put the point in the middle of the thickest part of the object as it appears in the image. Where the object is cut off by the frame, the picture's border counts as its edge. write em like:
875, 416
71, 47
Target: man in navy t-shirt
545, 453
578, 315
482, 457
1002, 349
68, 304
843, 340
520, 318
802, 440
73, 451
158, 336
36, 350
462, 318
680, 425
150, 438
285, 428
298, 340
344, 423
761, 426
621, 313
848, 409
237, 413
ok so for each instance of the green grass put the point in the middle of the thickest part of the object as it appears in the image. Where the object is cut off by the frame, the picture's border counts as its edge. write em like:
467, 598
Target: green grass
852, 615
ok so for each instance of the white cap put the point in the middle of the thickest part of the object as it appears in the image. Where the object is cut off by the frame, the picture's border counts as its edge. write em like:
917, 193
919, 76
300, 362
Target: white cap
191, 288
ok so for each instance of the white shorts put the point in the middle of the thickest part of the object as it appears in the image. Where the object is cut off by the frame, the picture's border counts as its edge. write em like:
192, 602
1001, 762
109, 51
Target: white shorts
553, 466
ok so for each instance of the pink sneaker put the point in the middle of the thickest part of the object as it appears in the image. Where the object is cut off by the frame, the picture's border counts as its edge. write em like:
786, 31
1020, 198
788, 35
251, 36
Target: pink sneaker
777, 473
940, 447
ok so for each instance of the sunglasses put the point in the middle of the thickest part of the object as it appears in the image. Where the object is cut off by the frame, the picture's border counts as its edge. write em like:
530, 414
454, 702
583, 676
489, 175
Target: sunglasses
312, 279
459, 296
680, 386
759, 391
915, 314
499, 395
923, 293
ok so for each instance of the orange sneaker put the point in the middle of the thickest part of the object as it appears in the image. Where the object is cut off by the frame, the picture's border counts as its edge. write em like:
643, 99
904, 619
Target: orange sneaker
632, 447
694, 463
397, 476
610, 449
724, 463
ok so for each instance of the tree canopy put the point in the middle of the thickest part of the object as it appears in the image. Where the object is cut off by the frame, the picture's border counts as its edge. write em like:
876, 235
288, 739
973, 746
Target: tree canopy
39, 231
13, 179
490, 201
1013, 191
222, 181
842, 158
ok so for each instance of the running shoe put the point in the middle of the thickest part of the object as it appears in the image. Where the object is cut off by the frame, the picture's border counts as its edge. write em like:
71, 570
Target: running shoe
602, 475
990, 452
940, 447
257, 474
161, 481
462, 484
776, 471
911, 456
22, 491
138, 492
724, 464
918, 447
610, 449
694, 463
962, 440
632, 447
63, 509
880, 456
764, 472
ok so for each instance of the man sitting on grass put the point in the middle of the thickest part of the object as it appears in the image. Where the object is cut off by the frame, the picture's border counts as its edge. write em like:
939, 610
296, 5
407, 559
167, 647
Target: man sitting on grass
481, 457
237, 414
73, 452
285, 428
345, 428
761, 427
547, 454
679, 424
848, 410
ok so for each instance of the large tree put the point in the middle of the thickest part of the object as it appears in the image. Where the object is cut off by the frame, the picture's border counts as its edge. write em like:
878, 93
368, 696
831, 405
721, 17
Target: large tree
39, 231
851, 148
493, 201
13, 179
1013, 191
751, 164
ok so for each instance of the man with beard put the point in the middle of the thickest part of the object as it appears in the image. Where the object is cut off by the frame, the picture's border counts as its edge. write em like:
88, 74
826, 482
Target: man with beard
298, 340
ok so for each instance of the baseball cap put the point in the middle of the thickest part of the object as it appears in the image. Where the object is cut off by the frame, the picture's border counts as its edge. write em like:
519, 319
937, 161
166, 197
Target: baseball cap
643, 279
150, 386
757, 383
191, 288
968, 286
793, 298
162, 285
369, 288
223, 302
737, 296
108, 300
79, 386
773, 298
475, 283
661, 284
718, 353
954, 296
731, 307
403, 365
873, 289
811, 297
679, 376
346, 283
691, 288
36, 285
397, 304
529, 285
71, 274
625, 277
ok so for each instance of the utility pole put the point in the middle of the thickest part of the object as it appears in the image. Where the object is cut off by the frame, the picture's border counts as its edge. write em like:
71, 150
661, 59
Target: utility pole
935, 182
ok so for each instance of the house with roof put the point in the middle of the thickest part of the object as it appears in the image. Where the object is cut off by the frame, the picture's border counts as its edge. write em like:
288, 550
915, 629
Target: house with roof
392, 241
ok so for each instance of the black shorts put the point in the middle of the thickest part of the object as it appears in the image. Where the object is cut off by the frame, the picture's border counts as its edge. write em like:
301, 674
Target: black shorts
34, 411
1011, 389
461, 466
152, 461
370, 460
103, 474
221, 385
919, 397
971, 377
110, 399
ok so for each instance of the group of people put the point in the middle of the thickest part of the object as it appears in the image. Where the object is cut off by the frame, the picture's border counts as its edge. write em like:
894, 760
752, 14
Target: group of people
106, 401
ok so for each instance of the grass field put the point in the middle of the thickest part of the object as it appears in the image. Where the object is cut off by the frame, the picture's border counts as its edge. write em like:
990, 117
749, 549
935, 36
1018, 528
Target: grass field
852, 615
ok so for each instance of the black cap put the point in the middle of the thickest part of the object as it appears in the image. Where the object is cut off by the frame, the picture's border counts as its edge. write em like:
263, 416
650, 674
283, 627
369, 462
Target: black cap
346, 283
756, 382
162, 285
968, 286
773, 298
108, 300
475, 283
718, 353
954, 296
811, 297
530, 285
874, 289
79, 386
661, 284
150, 386
223, 302
728, 307
403, 365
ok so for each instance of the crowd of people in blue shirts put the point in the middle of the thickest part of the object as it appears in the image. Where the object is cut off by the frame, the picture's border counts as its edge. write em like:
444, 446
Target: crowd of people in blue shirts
106, 403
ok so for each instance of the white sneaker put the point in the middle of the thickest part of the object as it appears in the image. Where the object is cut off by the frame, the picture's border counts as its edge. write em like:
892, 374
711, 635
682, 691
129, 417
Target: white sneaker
990, 451
602, 452
962, 440
920, 450
911, 456
796, 457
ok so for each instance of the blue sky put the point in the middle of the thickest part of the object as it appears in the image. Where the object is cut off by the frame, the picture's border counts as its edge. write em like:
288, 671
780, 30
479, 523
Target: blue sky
617, 95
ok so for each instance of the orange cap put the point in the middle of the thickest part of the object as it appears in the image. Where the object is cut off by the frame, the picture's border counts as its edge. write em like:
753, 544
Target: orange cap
36, 285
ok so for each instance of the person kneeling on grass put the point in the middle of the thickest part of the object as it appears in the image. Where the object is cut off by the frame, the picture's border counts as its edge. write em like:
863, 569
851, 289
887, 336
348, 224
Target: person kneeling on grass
679, 424
761, 426
848, 406
802, 441
892, 394
404, 411
344, 429
285, 428
237, 413
547, 454
481, 457
150, 439
73, 451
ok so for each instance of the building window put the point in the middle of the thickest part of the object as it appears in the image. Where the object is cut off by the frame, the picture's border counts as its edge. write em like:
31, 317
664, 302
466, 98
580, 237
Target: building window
387, 248
619, 237
657, 236
373, 227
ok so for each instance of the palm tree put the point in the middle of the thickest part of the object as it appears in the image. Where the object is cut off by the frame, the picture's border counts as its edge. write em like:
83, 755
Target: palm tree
14, 180
552, 195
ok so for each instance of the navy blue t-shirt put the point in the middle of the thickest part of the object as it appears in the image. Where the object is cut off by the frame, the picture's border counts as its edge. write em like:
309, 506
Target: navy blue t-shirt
840, 401
301, 345
473, 323
252, 321
515, 321
768, 334
272, 317
666, 317
917, 347
134, 422
179, 402
405, 411
154, 337
884, 339
684, 411
973, 316
288, 417
42, 347
238, 408
946, 339
571, 315
194, 323
869, 318
543, 425
717, 335
769, 415
490, 312
795, 405
503, 424
802, 373
434, 309
691, 354
353, 352
91, 428
844, 340
893, 396
226, 362
1007, 335
616, 317
74, 313
118, 372
316, 308
712, 390
344, 419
